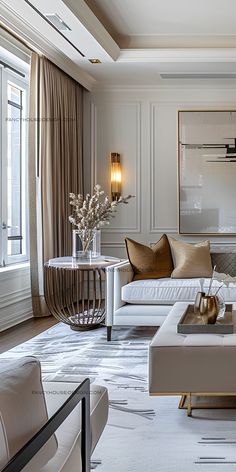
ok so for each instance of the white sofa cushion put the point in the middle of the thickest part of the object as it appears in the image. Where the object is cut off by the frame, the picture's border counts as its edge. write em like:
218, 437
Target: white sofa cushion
168, 291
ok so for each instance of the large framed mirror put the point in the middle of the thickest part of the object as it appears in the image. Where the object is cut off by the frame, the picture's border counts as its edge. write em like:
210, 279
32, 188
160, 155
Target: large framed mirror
207, 172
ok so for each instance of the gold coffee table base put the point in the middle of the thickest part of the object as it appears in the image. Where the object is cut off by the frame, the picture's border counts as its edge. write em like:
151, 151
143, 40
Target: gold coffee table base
211, 402
218, 400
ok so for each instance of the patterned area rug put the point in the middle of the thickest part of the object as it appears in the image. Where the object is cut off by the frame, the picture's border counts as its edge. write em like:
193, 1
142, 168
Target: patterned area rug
143, 433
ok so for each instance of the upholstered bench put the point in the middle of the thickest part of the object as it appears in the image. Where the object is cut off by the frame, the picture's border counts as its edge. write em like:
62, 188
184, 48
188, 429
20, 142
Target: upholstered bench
194, 364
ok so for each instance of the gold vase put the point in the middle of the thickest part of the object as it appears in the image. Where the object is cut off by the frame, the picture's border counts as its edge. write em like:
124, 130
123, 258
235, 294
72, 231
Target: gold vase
209, 307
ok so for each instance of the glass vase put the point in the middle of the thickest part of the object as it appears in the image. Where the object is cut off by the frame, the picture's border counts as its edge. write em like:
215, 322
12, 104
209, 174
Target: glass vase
86, 244
221, 306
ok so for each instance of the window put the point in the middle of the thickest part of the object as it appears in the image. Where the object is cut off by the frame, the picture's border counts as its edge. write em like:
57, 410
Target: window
14, 211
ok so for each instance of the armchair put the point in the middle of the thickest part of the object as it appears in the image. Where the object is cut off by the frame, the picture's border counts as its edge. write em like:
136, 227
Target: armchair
43, 426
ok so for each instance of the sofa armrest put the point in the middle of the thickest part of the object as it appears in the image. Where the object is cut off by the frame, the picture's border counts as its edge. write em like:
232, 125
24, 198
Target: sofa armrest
110, 271
123, 275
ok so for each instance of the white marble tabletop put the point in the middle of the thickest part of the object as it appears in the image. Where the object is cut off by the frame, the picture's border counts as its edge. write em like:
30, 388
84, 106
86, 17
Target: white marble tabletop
69, 262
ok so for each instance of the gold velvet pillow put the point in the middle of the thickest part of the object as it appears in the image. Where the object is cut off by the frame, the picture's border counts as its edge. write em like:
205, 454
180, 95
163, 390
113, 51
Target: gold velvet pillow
190, 260
150, 262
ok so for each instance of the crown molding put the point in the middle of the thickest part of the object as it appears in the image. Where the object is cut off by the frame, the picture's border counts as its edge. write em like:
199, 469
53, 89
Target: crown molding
176, 41
178, 55
13, 22
106, 88
14, 46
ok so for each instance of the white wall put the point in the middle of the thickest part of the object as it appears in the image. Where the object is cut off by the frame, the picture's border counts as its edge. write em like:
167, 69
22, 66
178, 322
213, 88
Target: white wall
141, 124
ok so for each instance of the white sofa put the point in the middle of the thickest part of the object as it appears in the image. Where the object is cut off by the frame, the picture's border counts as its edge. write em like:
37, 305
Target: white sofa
148, 302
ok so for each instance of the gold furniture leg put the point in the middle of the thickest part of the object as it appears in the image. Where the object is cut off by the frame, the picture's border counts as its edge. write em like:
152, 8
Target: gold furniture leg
189, 410
182, 401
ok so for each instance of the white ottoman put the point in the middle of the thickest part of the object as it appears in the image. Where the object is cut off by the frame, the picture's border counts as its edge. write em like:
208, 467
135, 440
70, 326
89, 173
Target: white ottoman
200, 364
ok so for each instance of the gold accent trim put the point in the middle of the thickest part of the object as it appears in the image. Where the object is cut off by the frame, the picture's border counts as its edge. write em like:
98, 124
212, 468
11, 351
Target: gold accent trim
189, 408
182, 404
189, 396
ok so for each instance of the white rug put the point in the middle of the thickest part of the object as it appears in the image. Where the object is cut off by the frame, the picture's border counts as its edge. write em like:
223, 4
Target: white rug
143, 434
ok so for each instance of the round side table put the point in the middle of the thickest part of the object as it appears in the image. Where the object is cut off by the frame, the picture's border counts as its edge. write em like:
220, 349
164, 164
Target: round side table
74, 291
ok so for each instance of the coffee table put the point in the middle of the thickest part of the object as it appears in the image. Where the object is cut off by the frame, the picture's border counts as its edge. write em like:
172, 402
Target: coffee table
192, 364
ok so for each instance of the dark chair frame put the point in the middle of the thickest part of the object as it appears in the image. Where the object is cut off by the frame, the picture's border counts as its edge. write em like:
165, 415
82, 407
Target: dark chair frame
28, 451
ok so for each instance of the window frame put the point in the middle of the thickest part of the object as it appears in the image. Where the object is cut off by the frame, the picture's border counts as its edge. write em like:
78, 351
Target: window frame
8, 77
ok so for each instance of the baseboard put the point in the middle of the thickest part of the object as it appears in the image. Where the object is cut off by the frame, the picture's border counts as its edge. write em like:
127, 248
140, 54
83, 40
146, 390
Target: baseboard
15, 319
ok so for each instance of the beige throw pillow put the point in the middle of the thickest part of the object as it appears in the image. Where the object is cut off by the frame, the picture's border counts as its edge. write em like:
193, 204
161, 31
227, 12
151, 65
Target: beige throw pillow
150, 262
190, 260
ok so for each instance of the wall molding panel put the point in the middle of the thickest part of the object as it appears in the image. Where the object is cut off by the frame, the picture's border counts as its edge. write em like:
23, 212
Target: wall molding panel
152, 226
93, 145
157, 209
14, 318
113, 244
14, 297
98, 159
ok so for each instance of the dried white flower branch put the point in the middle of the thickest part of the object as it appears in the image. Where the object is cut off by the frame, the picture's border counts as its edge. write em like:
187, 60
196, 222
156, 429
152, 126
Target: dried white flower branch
226, 279
94, 211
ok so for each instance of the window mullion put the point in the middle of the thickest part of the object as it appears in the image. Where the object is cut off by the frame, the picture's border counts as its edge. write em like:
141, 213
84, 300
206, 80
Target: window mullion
4, 206
13, 170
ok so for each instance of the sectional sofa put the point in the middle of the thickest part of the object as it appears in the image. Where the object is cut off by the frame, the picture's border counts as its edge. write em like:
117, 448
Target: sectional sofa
148, 302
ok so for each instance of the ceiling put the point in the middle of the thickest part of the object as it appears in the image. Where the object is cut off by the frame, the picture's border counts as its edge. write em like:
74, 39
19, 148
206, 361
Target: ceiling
131, 21
136, 41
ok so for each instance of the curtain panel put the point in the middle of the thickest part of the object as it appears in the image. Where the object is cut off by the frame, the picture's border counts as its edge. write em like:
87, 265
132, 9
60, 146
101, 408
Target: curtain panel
55, 166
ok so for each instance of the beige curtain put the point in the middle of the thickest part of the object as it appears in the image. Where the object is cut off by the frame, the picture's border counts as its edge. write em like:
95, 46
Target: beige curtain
55, 166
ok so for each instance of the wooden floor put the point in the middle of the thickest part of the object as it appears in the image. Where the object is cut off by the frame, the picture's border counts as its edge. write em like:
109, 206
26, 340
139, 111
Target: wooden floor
24, 331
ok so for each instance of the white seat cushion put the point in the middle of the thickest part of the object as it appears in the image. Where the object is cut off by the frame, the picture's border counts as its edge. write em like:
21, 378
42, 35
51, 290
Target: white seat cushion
168, 291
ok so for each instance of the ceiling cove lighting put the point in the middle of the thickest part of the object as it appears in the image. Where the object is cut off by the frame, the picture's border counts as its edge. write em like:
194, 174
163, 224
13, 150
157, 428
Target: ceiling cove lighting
44, 17
95, 61
115, 176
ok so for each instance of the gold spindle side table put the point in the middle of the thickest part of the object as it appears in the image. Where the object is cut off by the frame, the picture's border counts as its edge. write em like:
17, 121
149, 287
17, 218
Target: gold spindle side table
74, 291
